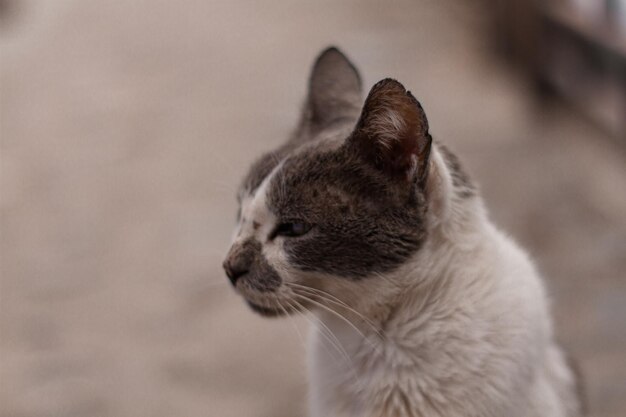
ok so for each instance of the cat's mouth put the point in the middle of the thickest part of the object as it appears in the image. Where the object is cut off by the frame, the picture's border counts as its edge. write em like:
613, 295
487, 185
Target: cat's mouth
266, 311
267, 303
273, 306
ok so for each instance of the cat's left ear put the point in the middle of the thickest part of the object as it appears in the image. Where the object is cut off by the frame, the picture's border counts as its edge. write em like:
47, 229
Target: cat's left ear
334, 89
392, 132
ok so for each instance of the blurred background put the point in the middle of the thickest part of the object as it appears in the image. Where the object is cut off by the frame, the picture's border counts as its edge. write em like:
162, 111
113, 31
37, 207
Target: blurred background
126, 126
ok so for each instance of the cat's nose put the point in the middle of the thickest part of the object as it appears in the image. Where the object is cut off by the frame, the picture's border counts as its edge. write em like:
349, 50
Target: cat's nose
234, 271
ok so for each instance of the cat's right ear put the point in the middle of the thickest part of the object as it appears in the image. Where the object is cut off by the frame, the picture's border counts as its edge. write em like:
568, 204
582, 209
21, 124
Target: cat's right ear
392, 132
334, 90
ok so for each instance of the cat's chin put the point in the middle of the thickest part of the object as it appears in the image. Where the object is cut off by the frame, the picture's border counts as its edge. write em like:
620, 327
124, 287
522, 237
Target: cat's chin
265, 311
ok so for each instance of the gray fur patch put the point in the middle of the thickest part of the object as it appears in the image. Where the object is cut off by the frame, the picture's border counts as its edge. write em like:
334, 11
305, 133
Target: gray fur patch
263, 166
364, 223
260, 169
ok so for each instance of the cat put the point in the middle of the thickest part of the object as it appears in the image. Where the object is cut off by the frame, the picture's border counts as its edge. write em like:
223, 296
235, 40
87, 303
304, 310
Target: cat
422, 308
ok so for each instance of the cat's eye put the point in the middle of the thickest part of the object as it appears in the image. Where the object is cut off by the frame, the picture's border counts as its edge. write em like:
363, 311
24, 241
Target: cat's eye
291, 229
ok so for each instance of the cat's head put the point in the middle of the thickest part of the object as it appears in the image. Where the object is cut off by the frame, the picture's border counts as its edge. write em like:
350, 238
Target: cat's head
342, 203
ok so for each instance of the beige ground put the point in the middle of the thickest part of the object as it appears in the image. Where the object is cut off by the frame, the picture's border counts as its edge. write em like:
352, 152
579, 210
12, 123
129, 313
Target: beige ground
125, 127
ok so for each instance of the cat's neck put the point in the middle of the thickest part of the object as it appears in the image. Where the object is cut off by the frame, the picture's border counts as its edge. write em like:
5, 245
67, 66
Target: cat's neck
459, 233
421, 288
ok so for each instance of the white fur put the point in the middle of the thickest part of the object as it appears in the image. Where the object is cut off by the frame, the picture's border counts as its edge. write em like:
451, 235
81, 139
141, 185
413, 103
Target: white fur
254, 210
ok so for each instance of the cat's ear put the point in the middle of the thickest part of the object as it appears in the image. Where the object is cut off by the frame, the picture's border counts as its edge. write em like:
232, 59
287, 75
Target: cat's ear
334, 89
392, 132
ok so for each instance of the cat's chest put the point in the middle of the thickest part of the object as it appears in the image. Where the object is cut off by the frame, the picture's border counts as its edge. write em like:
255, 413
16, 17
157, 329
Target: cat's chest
353, 377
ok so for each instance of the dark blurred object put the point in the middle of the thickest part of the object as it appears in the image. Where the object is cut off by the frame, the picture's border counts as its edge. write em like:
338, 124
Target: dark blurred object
8, 9
575, 49
5, 7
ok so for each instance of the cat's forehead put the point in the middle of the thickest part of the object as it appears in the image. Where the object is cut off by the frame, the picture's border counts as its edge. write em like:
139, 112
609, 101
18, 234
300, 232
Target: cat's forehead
258, 172
328, 181
302, 149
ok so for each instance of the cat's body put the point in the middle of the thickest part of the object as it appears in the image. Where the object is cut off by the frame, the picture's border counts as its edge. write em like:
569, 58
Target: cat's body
423, 308
467, 334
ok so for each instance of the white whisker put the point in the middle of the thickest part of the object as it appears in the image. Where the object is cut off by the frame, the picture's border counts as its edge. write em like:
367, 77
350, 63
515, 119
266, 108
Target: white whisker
339, 345
291, 320
337, 314
334, 343
333, 299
